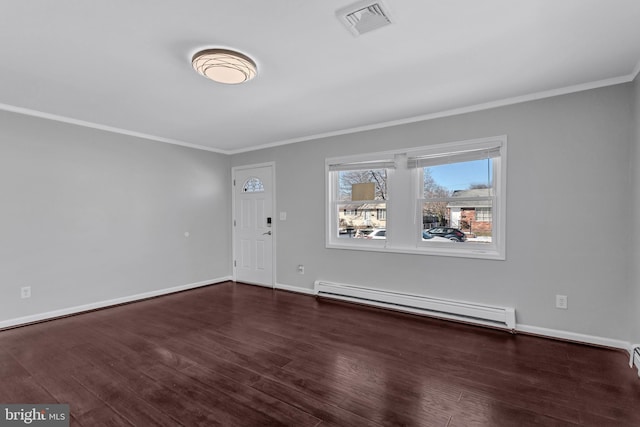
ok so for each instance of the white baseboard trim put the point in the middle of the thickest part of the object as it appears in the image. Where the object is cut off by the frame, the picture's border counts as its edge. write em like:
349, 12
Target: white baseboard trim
573, 336
296, 289
262, 285
102, 304
534, 330
634, 357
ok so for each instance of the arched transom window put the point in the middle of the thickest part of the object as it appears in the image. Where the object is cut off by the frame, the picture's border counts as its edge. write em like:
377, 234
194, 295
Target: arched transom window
253, 185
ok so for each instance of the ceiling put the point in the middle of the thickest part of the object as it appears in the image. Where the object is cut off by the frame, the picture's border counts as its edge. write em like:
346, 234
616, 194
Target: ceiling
124, 65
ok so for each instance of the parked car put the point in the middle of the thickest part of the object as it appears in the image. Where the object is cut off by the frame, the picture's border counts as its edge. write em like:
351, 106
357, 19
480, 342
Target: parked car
427, 236
377, 233
350, 231
381, 233
448, 233
362, 233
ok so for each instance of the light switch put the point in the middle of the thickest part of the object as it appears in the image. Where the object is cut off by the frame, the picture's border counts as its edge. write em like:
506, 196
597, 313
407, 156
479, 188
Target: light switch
283, 216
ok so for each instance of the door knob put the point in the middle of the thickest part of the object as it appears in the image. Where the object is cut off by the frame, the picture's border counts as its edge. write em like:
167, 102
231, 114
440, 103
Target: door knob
268, 233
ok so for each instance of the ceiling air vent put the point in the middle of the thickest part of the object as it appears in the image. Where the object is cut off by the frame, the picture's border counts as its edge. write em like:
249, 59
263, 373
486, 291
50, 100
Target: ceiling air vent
364, 16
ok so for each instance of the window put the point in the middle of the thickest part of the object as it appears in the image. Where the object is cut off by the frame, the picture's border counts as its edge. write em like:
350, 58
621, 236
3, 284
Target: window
446, 199
483, 214
360, 191
253, 185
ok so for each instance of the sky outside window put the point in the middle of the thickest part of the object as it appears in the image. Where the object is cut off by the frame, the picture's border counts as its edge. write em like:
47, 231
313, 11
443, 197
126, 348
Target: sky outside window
460, 176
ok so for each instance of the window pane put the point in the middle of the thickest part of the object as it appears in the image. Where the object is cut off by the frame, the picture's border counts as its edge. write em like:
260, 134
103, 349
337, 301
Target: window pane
465, 190
484, 214
475, 177
350, 185
253, 185
357, 220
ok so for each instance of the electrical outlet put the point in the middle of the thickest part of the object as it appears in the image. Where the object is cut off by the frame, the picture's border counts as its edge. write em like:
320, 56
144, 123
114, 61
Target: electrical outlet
562, 301
25, 292
301, 269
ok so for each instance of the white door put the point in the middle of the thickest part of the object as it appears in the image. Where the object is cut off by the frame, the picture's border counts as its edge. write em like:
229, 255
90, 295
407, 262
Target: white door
254, 225
456, 214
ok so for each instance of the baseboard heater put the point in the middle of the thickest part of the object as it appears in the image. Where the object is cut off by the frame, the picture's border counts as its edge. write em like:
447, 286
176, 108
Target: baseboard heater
502, 317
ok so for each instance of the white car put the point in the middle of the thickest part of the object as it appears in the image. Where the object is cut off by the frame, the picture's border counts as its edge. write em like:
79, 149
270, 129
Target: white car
381, 233
377, 234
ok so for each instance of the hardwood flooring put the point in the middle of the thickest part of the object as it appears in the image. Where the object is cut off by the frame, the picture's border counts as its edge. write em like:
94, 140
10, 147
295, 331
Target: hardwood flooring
240, 355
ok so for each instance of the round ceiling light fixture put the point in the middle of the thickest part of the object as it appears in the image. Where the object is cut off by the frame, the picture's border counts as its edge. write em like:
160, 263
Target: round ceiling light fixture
224, 66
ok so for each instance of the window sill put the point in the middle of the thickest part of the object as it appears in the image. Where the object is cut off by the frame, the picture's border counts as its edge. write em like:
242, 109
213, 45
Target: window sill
453, 250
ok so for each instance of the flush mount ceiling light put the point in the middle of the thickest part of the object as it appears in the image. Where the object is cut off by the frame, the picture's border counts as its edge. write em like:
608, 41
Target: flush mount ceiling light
224, 66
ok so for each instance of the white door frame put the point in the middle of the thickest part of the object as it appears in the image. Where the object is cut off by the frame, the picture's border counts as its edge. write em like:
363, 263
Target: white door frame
273, 221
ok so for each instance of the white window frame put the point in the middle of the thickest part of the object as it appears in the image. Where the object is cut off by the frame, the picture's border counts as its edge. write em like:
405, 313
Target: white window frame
404, 208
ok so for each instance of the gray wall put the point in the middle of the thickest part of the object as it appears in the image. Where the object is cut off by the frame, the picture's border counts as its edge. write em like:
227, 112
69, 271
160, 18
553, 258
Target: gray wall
568, 193
89, 216
635, 252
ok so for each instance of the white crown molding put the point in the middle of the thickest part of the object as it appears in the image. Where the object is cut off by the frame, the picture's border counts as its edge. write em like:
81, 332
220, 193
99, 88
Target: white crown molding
453, 112
18, 321
91, 125
447, 113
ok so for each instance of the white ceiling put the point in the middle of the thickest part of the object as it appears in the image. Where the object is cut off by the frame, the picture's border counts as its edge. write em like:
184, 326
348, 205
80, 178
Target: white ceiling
125, 65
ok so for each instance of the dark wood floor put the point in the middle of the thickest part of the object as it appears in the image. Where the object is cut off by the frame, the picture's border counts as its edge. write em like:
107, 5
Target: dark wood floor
233, 354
